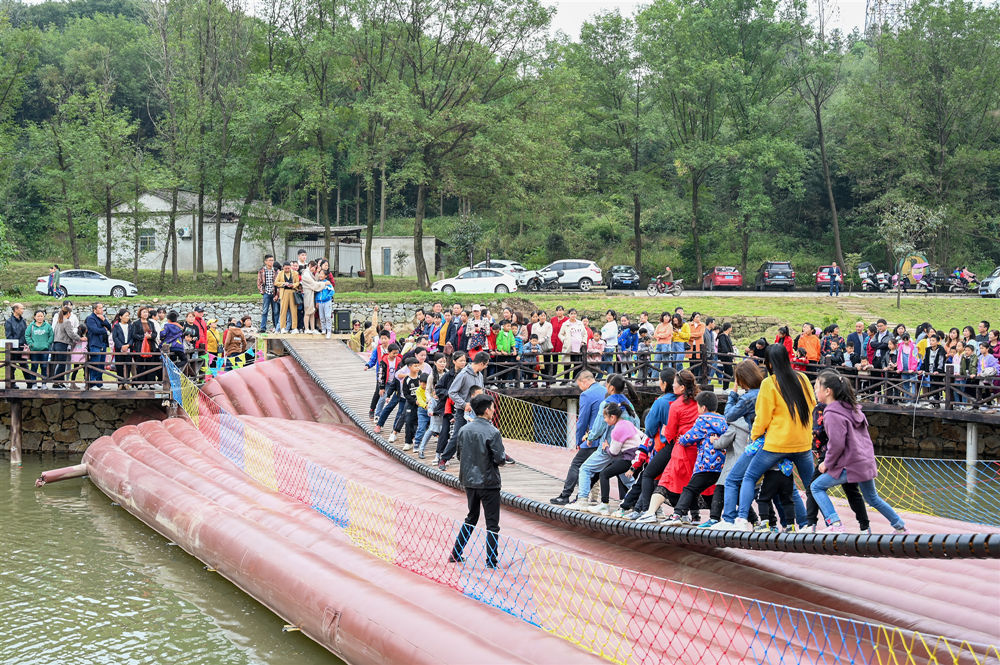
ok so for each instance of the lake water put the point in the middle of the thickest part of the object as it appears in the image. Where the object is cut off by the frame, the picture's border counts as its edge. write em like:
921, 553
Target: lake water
84, 582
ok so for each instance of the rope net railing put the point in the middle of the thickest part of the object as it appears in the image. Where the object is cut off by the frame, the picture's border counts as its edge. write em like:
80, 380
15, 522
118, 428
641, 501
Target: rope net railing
625, 616
951, 489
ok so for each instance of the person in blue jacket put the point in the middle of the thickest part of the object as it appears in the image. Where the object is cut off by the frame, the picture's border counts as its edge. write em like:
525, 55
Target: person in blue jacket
98, 328
628, 344
592, 394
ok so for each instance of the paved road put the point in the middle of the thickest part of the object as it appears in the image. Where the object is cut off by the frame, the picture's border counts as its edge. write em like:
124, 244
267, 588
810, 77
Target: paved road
787, 294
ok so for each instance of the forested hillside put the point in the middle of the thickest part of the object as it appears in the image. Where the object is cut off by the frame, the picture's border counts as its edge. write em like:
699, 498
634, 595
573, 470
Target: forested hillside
695, 133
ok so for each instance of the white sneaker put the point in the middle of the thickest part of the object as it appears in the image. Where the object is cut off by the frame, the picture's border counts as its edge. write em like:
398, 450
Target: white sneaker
283, 332
646, 518
600, 509
723, 526
578, 505
294, 332
328, 335
392, 437
742, 525
407, 448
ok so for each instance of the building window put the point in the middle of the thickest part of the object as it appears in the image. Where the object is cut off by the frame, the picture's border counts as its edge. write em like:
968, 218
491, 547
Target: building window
386, 260
147, 240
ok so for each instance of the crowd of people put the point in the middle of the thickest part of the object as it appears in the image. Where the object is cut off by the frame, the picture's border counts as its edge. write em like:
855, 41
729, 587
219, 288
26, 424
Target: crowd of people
298, 295
59, 351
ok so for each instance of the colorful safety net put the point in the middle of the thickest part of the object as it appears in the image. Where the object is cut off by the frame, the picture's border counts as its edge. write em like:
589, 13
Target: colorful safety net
622, 615
938, 487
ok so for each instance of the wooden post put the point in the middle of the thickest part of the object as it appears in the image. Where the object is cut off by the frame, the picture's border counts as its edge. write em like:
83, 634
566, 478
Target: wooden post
949, 373
15, 432
571, 407
971, 456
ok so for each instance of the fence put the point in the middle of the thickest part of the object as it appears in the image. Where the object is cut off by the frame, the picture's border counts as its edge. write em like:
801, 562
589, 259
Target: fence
624, 616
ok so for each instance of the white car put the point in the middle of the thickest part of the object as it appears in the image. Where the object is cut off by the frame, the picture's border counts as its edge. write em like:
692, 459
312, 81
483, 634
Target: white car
87, 283
477, 280
512, 268
576, 273
990, 287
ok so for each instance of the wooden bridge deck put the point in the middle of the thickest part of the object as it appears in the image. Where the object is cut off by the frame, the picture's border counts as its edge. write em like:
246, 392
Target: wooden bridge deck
343, 371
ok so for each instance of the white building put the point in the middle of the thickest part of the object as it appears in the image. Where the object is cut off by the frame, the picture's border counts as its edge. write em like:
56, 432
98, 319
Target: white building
269, 230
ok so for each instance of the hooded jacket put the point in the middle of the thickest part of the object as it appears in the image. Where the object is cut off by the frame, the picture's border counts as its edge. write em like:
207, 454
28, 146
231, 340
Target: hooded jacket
849, 445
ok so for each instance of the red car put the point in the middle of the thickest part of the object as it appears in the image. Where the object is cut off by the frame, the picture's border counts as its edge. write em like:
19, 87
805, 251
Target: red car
722, 277
822, 276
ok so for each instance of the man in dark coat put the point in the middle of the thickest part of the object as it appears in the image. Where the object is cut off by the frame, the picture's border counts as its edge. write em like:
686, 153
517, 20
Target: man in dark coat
480, 450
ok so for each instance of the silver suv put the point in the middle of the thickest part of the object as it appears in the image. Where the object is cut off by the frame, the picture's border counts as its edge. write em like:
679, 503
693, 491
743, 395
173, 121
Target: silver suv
576, 273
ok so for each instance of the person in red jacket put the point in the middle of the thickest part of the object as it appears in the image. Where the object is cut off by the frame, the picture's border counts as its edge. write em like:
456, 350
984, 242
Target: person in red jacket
557, 322
199, 321
683, 414
784, 337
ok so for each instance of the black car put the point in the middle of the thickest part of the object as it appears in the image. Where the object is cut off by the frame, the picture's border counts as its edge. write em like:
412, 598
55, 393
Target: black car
776, 274
623, 277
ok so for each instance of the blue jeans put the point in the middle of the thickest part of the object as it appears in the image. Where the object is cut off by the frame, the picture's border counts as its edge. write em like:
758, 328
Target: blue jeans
422, 421
436, 423
664, 357
825, 481
268, 303
834, 287
324, 309
910, 386
678, 348
95, 375
733, 481
608, 366
761, 462
593, 466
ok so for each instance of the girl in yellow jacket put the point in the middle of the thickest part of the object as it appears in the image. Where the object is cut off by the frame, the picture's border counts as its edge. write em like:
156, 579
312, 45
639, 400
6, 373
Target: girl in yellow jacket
784, 419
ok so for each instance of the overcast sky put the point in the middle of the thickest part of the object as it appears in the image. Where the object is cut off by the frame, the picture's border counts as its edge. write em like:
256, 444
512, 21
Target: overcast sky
571, 14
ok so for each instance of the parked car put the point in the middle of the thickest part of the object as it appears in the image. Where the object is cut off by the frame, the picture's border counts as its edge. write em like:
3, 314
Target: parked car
88, 283
722, 277
822, 276
623, 277
512, 268
779, 274
990, 287
477, 280
576, 273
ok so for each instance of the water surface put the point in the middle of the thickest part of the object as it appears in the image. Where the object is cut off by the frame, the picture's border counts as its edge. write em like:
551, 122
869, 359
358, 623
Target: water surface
84, 582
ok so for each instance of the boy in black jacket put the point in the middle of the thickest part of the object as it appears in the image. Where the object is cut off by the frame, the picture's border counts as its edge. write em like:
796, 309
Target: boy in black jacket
444, 406
410, 386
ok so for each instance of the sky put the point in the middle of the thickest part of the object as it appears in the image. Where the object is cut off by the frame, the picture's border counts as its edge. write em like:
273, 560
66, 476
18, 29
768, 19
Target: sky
571, 14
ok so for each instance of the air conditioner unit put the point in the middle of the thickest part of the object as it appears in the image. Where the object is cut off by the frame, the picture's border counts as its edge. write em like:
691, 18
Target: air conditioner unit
184, 232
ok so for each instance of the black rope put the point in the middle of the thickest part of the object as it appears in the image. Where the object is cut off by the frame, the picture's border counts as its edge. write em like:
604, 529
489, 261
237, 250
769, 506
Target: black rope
913, 546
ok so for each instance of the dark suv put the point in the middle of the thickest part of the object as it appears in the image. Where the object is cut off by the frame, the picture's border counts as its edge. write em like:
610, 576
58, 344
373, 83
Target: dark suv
779, 274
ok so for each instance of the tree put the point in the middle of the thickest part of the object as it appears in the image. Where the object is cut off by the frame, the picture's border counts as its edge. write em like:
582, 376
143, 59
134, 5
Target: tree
905, 226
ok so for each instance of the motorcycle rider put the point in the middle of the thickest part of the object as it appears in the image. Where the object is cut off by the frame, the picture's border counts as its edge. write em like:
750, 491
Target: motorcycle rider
667, 277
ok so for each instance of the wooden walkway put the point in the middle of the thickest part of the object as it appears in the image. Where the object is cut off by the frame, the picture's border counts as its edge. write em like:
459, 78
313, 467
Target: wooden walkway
343, 371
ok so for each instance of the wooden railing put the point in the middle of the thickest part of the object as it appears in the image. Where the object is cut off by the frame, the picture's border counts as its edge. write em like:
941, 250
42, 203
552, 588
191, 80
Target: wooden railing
87, 370
944, 391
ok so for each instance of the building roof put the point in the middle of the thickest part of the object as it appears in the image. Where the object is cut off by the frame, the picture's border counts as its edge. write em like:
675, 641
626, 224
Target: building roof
187, 202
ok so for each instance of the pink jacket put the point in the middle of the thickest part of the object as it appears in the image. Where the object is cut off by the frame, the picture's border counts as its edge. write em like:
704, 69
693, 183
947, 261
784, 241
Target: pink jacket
914, 361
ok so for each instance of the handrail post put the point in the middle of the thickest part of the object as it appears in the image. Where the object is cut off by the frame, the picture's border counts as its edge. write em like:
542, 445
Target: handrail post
949, 373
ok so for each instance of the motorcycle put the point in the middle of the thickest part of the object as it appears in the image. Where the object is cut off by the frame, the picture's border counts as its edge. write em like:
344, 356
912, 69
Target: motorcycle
658, 286
956, 285
882, 280
541, 283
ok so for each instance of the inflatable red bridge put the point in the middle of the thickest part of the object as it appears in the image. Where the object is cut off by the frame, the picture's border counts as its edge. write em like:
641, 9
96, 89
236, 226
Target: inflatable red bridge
269, 479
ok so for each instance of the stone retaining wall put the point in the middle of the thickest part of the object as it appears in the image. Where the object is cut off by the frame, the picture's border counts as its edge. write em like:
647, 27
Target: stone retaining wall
66, 426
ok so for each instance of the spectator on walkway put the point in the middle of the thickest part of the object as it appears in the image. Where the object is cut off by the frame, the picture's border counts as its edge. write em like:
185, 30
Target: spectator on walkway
310, 287
481, 453
145, 344
65, 335
15, 328
682, 335
98, 329
287, 283
469, 378
39, 336
269, 296
445, 407
120, 343
592, 394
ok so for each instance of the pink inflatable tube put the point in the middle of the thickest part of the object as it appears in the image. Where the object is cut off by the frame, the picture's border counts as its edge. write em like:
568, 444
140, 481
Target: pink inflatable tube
298, 563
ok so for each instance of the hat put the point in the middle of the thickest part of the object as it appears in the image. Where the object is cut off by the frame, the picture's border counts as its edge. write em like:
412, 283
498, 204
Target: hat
199, 308
211, 321
476, 308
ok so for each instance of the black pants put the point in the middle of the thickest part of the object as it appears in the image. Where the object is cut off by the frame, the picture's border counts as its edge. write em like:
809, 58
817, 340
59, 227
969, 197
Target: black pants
444, 438
776, 485
371, 409
581, 456
854, 499
489, 499
612, 470
689, 497
458, 423
60, 361
411, 421
652, 471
